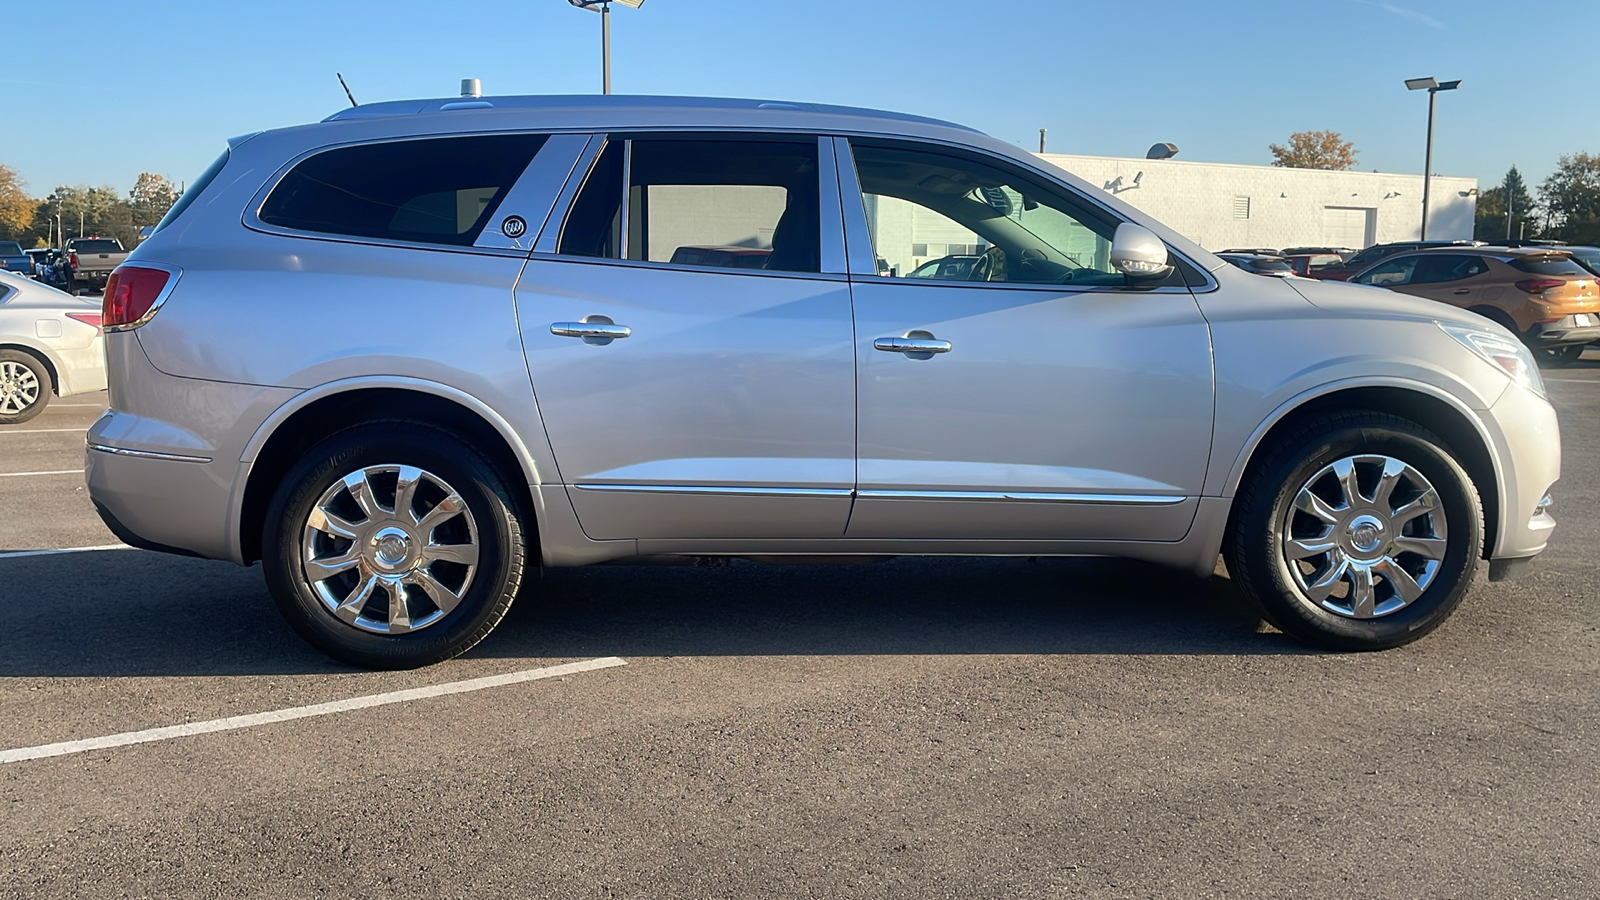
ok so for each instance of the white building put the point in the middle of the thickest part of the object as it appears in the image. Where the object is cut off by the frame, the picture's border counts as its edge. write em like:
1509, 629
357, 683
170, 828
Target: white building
1222, 205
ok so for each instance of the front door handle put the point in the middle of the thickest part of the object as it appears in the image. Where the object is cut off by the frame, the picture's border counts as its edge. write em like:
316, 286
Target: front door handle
915, 345
598, 330
1462, 291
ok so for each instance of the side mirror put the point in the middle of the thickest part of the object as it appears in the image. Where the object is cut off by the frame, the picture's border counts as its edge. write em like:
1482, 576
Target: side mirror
1137, 253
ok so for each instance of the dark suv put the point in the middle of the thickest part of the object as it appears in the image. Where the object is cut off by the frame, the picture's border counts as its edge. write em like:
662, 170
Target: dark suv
1382, 251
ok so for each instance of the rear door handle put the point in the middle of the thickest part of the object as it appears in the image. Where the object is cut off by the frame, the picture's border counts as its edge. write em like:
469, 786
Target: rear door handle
914, 344
598, 330
1462, 291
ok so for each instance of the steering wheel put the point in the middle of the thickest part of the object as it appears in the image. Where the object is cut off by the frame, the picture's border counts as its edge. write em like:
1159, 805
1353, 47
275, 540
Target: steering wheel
991, 266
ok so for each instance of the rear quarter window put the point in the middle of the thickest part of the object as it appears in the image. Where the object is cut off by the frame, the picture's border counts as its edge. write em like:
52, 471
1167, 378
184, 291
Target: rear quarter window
1549, 265
433, 190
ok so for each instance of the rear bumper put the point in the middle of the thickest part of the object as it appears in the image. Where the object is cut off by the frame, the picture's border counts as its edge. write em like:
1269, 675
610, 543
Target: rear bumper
163, 503
1566, 330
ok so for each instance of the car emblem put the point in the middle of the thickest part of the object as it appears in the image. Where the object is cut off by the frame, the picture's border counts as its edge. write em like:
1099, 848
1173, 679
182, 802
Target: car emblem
513, 226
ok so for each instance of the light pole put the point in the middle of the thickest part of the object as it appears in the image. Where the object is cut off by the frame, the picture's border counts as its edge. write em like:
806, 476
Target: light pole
604, 8
1433, 86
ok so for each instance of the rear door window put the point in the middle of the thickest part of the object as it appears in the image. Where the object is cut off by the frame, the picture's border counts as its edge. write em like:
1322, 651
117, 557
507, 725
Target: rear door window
747, 204
435, 190
1442, 267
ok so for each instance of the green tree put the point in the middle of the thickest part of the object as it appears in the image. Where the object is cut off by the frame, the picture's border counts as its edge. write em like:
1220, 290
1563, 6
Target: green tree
16, 208
1492, 221
92, 211
1315, 150
1571, 199
151, 197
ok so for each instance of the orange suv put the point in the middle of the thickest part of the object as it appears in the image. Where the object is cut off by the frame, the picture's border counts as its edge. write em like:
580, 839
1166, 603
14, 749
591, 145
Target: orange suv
1541, 295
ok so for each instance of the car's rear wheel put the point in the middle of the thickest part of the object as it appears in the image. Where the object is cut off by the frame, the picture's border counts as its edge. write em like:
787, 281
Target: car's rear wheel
393, 545
24, 387
1358, 531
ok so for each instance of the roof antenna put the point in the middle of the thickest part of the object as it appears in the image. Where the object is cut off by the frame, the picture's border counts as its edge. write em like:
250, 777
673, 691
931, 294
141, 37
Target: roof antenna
346, 89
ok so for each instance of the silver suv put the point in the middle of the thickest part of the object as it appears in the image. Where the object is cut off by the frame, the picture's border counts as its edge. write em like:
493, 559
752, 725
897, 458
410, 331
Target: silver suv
403, 355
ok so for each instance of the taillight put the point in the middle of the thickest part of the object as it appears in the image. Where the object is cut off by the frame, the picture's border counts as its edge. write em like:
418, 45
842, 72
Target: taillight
91, 319
73, 259
130, 293
1539, 285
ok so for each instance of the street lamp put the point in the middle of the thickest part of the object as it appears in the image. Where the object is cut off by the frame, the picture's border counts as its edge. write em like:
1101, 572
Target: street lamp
604, 8
1433, 86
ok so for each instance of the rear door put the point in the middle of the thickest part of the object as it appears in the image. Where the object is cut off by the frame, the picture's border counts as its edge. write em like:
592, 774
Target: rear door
1033, 394
1453, 278
692, 401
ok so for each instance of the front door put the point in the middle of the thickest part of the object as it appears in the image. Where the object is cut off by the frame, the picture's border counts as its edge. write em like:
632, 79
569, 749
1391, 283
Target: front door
1011, 384
689, 340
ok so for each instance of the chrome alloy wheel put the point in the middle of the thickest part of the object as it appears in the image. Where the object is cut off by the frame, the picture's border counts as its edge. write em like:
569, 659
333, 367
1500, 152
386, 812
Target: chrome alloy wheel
390, 549
1365, 536
19, 387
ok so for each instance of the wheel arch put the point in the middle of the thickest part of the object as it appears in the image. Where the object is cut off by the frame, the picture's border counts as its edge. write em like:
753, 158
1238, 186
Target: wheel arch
1445, 415
42, 356
321, 412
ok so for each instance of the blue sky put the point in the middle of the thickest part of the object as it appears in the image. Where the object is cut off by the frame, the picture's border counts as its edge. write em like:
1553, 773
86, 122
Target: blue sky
168, 82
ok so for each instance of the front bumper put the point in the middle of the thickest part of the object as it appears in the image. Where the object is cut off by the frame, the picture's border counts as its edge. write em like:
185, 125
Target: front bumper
1527, 441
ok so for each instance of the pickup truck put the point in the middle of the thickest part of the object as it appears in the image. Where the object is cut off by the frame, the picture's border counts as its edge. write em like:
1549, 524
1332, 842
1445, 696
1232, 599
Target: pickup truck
13, 259
92, 259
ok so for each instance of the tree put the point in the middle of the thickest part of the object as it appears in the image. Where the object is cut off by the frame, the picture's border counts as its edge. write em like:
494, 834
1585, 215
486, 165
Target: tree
16, 208
151, 197
1571, 199
1492, 221
92, 210
1315, 150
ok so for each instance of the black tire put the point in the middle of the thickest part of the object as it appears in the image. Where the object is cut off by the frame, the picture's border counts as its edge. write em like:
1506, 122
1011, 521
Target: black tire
1255, 554
501, 540
25, 387
1557, 357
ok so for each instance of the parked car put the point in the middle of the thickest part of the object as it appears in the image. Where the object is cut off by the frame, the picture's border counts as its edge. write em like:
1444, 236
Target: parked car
1343, 253
1257, 264
13, 259
946, 268
90, 261
1382, 251
38, 258
50, 344
723, 257
1314, 265
1541, 295
408, 354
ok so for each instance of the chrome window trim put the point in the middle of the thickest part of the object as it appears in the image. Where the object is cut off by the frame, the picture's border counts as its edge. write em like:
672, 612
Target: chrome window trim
717, 490
534, 193
839, 277
147, 454
251, 218
627, 200
847, 153
550, 233
166, 291
1028, 497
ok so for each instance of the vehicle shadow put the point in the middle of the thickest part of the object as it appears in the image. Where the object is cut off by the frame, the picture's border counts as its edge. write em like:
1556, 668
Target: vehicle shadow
126, 613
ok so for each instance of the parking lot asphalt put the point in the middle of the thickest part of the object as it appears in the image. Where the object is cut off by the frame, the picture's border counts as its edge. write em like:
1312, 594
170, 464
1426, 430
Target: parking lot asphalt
914, 728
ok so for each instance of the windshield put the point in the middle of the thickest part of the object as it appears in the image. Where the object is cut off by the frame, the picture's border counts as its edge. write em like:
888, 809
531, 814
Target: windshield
10, 248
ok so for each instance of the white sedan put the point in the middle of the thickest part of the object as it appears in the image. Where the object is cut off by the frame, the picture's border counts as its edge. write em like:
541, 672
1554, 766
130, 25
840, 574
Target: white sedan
50, 343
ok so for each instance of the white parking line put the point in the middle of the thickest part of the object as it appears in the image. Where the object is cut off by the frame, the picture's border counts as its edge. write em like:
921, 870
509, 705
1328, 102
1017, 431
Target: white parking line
53, 472
42, 430
20, 554
231, 723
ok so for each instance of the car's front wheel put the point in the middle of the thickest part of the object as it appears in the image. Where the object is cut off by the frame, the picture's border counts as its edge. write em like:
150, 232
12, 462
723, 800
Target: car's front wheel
1358, 531
24, 387
1561, 356
393, 545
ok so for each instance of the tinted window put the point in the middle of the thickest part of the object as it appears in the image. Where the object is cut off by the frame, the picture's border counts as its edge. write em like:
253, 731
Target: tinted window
96, 246
1372, 254
1549, 265
192, 192
1014, 228
1588, 259
1443, 267
727, 203
440, 191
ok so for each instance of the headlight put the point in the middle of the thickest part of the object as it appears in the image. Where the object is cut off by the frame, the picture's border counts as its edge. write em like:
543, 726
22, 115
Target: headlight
1505, 353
